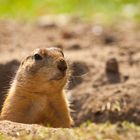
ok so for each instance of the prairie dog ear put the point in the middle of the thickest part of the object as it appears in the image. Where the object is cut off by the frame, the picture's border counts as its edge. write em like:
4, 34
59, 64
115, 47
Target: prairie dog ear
61, 51
58, 49
25, 59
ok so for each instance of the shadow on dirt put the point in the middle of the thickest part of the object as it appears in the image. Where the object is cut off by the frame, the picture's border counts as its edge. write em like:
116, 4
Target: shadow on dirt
7, 72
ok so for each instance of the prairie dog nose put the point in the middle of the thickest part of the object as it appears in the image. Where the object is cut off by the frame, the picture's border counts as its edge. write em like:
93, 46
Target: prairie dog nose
61, 65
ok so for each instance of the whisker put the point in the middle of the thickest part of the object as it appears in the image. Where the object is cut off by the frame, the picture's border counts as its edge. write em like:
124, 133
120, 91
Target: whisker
83, 75
71, 70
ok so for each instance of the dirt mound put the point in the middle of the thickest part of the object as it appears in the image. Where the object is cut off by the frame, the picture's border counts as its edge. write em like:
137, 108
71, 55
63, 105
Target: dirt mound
17, 129
105, 65
114, 103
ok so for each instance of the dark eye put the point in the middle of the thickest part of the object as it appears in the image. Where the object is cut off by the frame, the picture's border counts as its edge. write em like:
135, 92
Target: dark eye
37, 57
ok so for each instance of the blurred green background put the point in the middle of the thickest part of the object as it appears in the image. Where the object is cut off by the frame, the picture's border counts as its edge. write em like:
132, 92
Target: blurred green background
107, 9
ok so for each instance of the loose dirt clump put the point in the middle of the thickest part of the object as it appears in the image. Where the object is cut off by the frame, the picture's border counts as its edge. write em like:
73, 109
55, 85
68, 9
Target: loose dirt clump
112, 71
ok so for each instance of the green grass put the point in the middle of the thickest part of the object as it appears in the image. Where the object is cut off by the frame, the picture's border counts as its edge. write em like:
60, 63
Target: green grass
107, 131
108, 9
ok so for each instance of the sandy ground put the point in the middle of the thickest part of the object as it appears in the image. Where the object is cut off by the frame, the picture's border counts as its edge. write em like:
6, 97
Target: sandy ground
105, 60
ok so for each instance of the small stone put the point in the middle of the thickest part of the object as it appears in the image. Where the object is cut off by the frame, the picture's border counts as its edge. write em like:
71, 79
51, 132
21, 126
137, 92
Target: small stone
68, 35
126, 77
97, 30
47, 22
109, 39
74, 47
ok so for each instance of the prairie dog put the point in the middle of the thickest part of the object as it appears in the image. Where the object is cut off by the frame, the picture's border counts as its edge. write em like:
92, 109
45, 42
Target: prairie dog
36, 95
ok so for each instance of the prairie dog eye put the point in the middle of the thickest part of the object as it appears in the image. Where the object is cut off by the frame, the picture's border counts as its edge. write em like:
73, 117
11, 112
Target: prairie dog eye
37, 57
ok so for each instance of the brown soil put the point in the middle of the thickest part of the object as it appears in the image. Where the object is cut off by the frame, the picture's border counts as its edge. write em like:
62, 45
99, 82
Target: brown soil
17, 129
105, 63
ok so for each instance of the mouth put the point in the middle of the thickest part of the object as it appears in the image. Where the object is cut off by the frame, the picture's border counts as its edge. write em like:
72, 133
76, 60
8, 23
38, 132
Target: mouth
58, 76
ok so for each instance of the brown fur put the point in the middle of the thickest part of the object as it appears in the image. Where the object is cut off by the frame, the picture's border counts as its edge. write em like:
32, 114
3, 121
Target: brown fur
36, 94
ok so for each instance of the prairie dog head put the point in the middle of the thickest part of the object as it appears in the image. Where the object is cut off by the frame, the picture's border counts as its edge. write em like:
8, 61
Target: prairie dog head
44, 68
